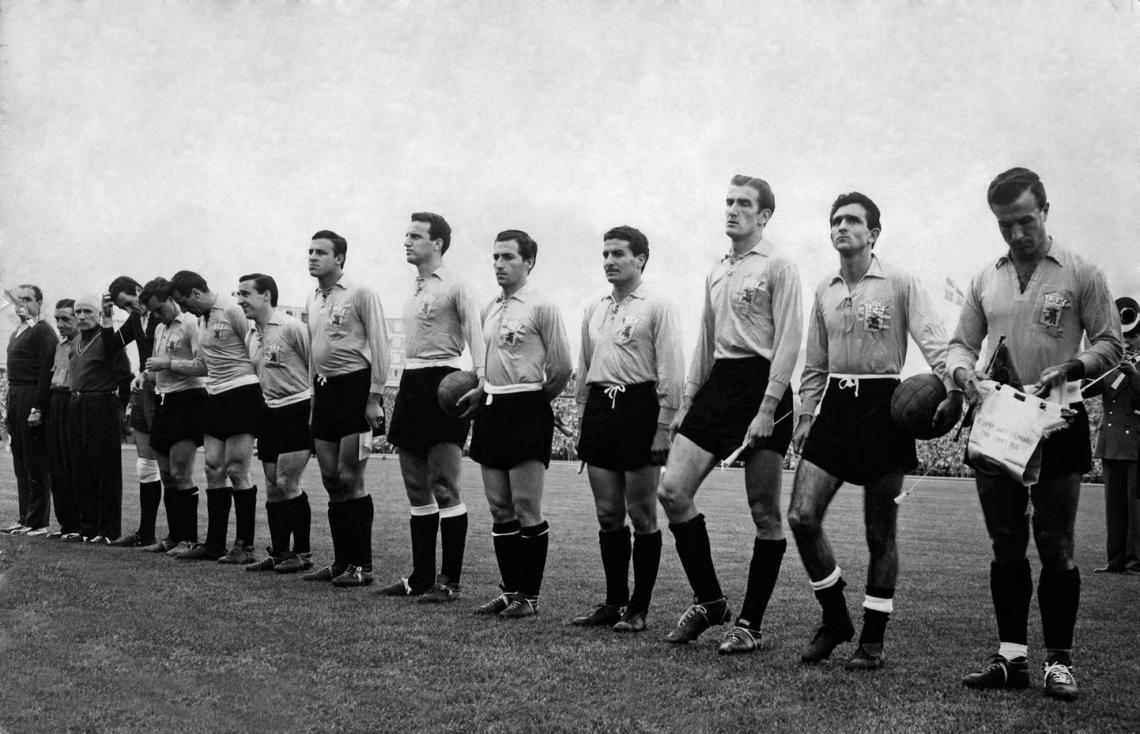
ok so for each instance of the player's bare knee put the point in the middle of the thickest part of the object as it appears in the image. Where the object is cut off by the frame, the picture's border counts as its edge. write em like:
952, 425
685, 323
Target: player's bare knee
803, 521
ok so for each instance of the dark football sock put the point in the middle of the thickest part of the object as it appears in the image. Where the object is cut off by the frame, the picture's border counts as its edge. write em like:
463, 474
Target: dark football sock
692, 539
616, 550
646, 561
150, 495
188, 515
834, 605
337, 534
217, 517
301, 519
1059, 595
875, 619
170, 504
505, 537
277, 515
424, 529
452, 541
245, 515
767, 555
1011, 587
533, 543
361, 512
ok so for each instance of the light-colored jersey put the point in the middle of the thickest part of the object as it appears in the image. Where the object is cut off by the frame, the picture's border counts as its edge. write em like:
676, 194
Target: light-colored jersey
280, 354
347, 332
179, 342
439, 316
752, 308
526, 344
59, 368
1066, 299
862, 330
632, 341
222, 337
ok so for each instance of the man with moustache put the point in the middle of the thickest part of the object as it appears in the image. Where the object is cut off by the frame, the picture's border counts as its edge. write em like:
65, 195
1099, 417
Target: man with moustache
57, 427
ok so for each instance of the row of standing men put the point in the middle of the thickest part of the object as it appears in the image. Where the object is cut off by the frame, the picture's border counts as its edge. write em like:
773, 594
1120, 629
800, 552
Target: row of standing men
220, 370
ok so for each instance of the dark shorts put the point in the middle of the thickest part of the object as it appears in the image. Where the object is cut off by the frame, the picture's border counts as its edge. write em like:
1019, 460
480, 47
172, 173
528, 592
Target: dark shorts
338, 405
1068, 451
179, 416
853, 438
724, 407
512, 429
617, 433
143, 405
284, 430
418, 423
234, 412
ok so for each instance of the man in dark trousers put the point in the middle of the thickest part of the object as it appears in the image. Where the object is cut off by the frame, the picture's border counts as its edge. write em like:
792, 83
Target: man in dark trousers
95, 418
57, 426
31, 353
1118, 448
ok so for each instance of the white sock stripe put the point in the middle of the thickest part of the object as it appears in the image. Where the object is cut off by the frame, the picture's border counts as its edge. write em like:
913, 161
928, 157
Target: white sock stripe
424, 510
453, 511
1013, 650
879, 604
828, 581
147, 470
503, 535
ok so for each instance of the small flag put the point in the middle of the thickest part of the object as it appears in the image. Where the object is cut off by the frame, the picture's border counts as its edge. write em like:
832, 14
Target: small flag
953, 293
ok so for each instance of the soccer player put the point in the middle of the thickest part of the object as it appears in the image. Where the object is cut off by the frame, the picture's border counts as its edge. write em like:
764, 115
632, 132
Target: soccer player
1044, 299
528, 364
440, 316
349, 342
139, 328
856, 346
31, 353
737, 395
178, 373
630, 380
57, 425
233, 410
279, 347
95, 419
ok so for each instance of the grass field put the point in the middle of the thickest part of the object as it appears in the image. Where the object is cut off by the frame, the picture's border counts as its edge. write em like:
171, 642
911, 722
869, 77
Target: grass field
103, 639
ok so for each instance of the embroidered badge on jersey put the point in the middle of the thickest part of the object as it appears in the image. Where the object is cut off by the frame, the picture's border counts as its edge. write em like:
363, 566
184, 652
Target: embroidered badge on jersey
876, 316
749, 291
424, 307
1052, 307
511, 333
623, 334
219, 328
171, 342
337, 316
273, 355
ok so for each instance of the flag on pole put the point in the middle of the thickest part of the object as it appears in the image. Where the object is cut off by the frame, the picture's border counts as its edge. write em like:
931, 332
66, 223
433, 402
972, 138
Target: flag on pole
953, 293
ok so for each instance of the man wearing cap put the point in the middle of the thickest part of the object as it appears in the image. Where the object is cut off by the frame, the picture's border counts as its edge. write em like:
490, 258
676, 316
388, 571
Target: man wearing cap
1055, 312
95, 417
1118, 448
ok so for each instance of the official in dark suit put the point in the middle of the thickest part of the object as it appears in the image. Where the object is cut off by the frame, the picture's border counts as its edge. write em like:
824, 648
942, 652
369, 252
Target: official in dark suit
1118, 446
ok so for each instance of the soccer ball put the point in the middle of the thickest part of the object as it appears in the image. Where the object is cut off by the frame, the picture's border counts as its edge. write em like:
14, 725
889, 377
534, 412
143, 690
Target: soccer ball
914, 403
452, 388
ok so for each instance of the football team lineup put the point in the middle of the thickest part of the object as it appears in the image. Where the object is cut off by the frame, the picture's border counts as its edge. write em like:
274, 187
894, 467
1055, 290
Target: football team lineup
231, 374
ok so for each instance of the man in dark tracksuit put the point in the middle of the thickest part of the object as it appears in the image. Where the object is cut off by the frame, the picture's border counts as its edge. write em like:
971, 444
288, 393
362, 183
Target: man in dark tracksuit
96, 419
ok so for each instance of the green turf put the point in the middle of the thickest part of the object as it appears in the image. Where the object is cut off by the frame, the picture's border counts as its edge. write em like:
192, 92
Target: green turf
108, 639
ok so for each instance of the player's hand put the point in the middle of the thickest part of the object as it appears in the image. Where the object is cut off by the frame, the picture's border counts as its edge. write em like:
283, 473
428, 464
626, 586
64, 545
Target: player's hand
949, 410
968, 381
760, 429
473, 399
107, 305
138, 384
35, 418
1127, 368
659, 449
675, 424
374, 412
803, 428
157, 364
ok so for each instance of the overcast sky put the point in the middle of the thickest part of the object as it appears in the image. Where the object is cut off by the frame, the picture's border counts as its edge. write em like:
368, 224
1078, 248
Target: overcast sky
143, 138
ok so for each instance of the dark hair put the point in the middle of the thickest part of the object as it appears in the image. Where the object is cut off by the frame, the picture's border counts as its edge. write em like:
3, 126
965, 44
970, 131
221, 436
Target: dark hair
123, 284
65, 303
638, 244
340, 244
263, 283
160, 289
862, 200
35, 289
438, 228
528, 248
185, 281
1009, 185
765, 199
